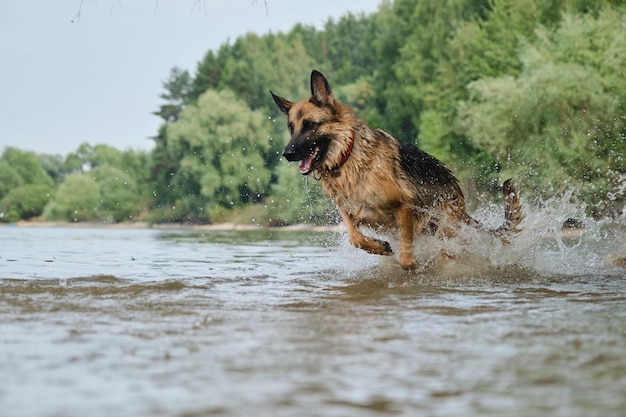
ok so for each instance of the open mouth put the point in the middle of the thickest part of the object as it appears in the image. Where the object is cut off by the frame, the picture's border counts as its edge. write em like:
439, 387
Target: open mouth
308, 154
307, 165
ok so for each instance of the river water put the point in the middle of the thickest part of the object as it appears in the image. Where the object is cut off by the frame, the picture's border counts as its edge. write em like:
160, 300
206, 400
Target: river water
147, 322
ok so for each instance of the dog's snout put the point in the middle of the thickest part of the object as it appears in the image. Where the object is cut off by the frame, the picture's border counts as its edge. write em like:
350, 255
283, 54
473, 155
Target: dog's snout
289, 153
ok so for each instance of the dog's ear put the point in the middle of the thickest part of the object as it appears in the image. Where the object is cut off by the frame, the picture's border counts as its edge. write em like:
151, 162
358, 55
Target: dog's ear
283, 104
320, 89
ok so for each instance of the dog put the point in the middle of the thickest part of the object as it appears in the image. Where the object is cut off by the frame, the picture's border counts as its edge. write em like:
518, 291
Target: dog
377, 181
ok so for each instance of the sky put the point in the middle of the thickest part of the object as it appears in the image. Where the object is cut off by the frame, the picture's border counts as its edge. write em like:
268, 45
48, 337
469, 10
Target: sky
74, 71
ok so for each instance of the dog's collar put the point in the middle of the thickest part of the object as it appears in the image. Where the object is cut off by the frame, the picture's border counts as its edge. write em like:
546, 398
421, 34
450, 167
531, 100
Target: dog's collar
335, 171
348, 152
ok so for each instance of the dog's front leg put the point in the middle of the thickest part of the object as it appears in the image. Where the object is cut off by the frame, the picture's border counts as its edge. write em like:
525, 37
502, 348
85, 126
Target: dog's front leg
359, 240
405, 221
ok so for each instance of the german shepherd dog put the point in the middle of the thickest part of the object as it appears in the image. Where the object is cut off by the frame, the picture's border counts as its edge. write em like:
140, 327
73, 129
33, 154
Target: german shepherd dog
377, 181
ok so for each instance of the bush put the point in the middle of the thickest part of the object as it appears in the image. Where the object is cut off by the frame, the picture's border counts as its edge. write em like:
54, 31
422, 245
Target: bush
119, 196
24, 202
77, 199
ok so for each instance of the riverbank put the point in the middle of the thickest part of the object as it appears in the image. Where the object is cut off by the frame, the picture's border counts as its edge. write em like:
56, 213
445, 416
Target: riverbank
227, 226
566, 232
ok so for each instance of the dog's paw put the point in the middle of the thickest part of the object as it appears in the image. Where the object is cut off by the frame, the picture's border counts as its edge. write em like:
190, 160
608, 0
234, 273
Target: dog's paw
407, 261
379, 247
386, 247
371, 245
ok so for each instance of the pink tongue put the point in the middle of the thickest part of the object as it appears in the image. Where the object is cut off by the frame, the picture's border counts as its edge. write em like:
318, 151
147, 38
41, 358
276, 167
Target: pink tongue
305, 164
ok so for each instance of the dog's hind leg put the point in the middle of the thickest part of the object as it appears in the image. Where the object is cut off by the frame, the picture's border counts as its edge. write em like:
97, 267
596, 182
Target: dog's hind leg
513, 212
359, 240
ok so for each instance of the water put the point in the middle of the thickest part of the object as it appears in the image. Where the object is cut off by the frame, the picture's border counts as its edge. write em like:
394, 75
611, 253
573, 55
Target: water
144, 322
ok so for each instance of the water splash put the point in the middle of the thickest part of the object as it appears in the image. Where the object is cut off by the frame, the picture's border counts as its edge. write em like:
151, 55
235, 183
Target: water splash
558, 243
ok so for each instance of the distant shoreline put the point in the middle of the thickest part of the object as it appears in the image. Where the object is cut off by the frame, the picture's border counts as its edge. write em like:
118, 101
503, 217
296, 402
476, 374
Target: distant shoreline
617, 259
228, 226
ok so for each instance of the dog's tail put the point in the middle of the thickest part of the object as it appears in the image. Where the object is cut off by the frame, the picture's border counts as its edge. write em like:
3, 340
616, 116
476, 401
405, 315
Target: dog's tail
513, 213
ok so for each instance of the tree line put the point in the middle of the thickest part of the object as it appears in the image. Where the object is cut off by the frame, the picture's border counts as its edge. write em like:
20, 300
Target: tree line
529, 89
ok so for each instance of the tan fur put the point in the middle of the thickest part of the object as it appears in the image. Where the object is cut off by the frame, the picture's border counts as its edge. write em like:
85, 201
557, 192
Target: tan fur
379, 186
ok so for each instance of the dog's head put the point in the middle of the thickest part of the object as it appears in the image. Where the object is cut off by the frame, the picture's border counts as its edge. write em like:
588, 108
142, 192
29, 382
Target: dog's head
315, 128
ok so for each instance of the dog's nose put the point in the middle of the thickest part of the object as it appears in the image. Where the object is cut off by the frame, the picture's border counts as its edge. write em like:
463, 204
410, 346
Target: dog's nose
289, 153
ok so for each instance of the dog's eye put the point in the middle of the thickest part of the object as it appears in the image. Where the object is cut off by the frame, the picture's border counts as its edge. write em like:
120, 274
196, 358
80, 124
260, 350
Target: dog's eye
308, 125
290, 126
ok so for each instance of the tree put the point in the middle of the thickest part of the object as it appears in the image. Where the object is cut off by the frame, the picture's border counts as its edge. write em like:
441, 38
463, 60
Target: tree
120, 199
89, 156
220, 150
134, 164
76, 199
253, 64
177, 92
560, 122
24, 202
27, 166
9, 178
25, 186
54, 166
347, 45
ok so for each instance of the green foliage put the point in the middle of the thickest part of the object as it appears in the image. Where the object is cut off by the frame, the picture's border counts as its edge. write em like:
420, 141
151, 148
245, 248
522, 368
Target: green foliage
254, 64
54, 166
103, 184
122, 179
88, 156
358, 95
25, 185
177, 88
346, 43
24, 202
76, 199
9, 178
561, 120
220, 154
119, 196
296, 199
25, 165
482, 42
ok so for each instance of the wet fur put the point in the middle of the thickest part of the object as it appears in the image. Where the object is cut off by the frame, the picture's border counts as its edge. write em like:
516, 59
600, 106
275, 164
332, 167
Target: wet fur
377, 181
